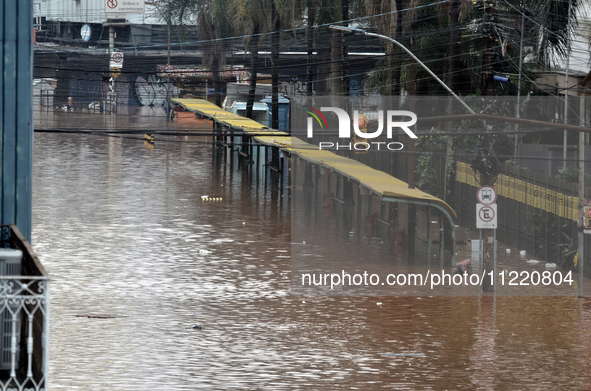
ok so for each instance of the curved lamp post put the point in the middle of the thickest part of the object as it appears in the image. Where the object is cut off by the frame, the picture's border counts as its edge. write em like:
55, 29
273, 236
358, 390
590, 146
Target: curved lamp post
411, 164
363, 32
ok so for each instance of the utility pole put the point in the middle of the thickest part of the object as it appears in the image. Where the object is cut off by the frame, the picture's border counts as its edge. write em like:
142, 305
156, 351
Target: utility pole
112, 94
518, 108
581, 234
276, 26
345, 50
566, 87
310, 47
488, 235
419, 62
412, 211
168, 84
114, 66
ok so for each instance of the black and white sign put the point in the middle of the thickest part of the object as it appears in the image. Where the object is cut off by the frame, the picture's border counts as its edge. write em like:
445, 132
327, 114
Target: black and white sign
125, 6
116, 60
486, 195
486, 216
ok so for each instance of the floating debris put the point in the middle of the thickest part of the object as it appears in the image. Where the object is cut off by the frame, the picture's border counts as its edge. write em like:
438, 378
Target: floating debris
208, 198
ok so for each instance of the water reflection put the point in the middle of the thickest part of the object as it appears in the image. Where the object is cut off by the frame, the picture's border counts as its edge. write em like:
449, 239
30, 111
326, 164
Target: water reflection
122, 230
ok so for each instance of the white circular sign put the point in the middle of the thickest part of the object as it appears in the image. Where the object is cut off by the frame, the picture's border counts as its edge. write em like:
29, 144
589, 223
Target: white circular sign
169, 68
85, 32
117, 57
486, 195
486, 214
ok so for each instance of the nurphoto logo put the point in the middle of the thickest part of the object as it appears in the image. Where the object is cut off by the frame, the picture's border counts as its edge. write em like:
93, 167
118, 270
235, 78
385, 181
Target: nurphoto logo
392, 122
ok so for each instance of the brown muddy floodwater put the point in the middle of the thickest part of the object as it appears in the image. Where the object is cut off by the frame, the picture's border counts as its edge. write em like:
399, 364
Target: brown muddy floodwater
123, 231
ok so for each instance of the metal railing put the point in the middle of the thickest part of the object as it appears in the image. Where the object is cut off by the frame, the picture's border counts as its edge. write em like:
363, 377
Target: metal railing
24, 319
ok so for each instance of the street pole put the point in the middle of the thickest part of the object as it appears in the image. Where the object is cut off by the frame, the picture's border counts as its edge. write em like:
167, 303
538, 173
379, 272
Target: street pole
581, 234
111, 50
566, 85
411, 162
488, 235
168, 84
518, 108
412, 211
363, 32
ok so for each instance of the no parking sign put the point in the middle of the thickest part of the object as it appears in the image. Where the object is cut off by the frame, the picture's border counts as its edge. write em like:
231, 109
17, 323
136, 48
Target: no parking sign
486, 209
116, 60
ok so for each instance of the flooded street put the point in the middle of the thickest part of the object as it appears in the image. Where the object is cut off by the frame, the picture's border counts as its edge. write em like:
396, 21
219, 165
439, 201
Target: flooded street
136, 258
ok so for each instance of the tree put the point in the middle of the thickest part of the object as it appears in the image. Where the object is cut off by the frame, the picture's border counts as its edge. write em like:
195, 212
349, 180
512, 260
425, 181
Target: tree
390, 19
252, 19
213, 26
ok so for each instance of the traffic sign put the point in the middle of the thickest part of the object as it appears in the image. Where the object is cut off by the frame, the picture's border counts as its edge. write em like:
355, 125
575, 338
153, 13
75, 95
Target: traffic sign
587, 220
116, 60
169, 68
486, 195
125, 6
486, 216
115, 72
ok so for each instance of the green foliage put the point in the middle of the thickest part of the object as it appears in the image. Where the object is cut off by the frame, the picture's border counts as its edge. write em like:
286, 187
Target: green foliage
571, 174
538, 225
566, 254
427, 175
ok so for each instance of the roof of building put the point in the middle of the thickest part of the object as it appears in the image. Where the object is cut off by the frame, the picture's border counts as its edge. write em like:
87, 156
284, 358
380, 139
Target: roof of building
378, 182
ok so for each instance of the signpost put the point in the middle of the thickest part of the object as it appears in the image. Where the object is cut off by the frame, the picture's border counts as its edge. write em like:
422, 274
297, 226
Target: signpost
115, 72
486, 195
116, 9
486, 218
116, 60
125, 6
587, 220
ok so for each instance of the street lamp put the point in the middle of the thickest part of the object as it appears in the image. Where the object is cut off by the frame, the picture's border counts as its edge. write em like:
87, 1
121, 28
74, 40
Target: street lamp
411, 163
363, 32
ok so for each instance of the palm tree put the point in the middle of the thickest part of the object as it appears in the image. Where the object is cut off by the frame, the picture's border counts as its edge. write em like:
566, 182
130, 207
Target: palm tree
392, 20
283, 13
556, 20
252, 20
213, 25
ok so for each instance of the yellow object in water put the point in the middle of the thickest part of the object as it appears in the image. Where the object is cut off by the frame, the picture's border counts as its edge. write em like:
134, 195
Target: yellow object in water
576, 259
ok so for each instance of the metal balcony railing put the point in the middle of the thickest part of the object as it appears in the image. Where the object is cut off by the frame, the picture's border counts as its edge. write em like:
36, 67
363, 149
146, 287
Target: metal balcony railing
24, 317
